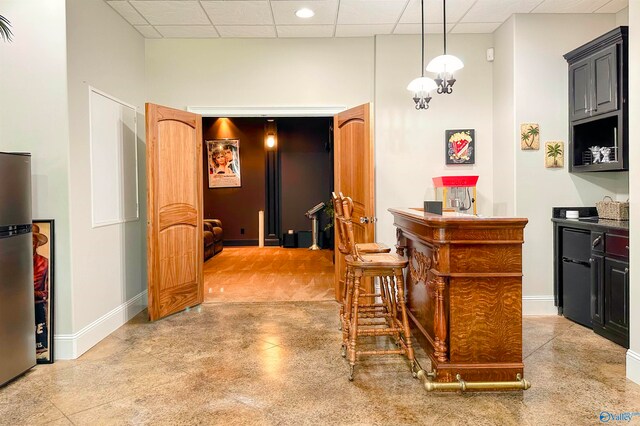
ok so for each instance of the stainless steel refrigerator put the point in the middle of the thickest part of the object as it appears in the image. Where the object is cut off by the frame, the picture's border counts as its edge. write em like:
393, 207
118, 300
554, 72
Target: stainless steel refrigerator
17, 312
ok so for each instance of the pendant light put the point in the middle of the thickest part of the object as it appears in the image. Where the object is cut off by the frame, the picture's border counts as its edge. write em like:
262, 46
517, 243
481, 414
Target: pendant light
445, 65
421, 86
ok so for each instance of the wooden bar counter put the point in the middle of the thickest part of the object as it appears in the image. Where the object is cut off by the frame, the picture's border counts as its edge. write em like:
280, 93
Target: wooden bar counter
464, 291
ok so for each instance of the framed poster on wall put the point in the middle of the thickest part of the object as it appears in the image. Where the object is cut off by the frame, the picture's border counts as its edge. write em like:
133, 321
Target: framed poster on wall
223, 161
460, 146
43, 260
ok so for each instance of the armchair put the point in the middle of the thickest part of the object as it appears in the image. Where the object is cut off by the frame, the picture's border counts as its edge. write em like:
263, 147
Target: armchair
213, 236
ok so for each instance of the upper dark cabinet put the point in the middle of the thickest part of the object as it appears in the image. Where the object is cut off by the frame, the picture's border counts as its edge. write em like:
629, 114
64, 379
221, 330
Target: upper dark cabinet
580, 89
598, 110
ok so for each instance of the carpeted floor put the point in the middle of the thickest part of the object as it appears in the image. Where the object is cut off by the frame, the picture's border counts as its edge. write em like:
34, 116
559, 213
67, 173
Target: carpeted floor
253, 274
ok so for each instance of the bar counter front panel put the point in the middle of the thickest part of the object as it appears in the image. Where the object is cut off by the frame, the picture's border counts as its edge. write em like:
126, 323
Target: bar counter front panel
464, 292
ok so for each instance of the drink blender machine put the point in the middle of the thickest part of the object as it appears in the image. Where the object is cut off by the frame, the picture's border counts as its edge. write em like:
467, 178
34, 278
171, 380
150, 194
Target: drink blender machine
457, 193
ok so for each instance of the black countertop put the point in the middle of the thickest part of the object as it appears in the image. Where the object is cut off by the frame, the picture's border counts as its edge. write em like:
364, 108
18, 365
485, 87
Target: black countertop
588, 219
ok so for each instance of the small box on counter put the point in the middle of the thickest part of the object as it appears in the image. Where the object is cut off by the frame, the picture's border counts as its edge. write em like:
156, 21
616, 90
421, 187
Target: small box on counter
434, 207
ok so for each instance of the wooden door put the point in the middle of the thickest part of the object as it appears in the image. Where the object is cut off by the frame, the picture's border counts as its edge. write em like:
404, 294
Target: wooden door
354, 175
174, 210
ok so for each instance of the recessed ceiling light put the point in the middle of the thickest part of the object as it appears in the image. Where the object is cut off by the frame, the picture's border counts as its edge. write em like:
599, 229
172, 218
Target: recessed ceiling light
304, 13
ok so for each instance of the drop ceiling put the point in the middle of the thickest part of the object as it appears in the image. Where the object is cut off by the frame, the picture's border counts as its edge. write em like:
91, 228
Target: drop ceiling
333, 18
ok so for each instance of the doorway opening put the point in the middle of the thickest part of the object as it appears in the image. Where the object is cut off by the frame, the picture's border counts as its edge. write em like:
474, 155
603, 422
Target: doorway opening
282, 167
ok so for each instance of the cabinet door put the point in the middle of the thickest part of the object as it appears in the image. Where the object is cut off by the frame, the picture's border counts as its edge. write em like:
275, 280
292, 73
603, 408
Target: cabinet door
616, 287
580, 89
597, 289
605, 81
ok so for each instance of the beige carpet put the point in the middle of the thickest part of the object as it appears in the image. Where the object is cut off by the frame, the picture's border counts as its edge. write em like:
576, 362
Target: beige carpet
252, 274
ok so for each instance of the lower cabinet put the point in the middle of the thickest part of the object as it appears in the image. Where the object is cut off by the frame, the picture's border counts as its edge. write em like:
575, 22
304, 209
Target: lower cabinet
610, 297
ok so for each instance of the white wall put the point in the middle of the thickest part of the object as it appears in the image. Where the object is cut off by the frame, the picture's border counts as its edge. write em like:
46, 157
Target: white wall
622, 17
540, 95
504, 127
633, 355
33, 118
260, 72
410, 144
109, 270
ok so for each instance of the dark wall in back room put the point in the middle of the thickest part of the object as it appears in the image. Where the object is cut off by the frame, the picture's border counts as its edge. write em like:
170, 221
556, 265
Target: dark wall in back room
237, 207
306, 173
306, 169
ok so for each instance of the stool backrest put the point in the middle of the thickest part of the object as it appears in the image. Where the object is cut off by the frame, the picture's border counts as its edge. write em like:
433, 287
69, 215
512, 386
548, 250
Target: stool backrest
339, 222
350, 241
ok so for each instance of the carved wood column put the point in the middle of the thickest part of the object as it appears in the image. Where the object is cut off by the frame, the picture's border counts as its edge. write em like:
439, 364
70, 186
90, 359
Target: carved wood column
440, 321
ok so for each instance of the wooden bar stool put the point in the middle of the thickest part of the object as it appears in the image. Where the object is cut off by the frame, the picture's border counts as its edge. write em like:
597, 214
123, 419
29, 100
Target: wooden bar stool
360, 318
339, 203
338, 206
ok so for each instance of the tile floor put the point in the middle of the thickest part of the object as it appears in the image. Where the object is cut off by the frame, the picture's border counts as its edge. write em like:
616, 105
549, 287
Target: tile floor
279, 363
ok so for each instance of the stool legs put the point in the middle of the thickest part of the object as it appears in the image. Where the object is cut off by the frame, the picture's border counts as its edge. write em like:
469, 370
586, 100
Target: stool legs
346, 309
405, 321
353, 328
396, 323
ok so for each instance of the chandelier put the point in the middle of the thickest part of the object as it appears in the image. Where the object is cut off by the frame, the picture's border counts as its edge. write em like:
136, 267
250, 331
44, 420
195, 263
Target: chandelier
421, 86
445, 65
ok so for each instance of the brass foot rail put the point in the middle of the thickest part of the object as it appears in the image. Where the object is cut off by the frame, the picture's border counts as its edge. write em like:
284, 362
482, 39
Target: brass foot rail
462, 385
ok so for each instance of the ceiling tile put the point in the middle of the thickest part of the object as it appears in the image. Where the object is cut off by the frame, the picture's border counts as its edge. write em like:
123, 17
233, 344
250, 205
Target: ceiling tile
238, 12
370, 11
363, 30
255, 31
498, 10
172, 12
187, 31
475, 27
433, 11
569, 6
305, 30
415, 28
614, 6
284, 12
128, 12
147, 31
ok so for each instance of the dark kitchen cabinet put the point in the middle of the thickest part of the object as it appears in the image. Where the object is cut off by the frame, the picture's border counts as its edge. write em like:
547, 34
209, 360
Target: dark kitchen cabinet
610, 285
616, 312
605, 247
593, 84
605, 81
580, 89
598, 110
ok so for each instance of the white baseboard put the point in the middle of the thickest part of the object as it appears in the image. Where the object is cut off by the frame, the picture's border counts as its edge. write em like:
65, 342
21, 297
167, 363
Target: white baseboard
538, 305
71, 346
633, 366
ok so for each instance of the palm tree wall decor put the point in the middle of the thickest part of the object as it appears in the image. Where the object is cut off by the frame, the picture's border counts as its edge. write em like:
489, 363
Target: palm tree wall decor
529, 136
5, 29
554, 154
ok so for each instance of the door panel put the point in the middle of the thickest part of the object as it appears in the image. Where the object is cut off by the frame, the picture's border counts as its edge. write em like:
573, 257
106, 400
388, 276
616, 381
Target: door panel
354, 175
580, 84
605, 81
174, 209
617, 296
